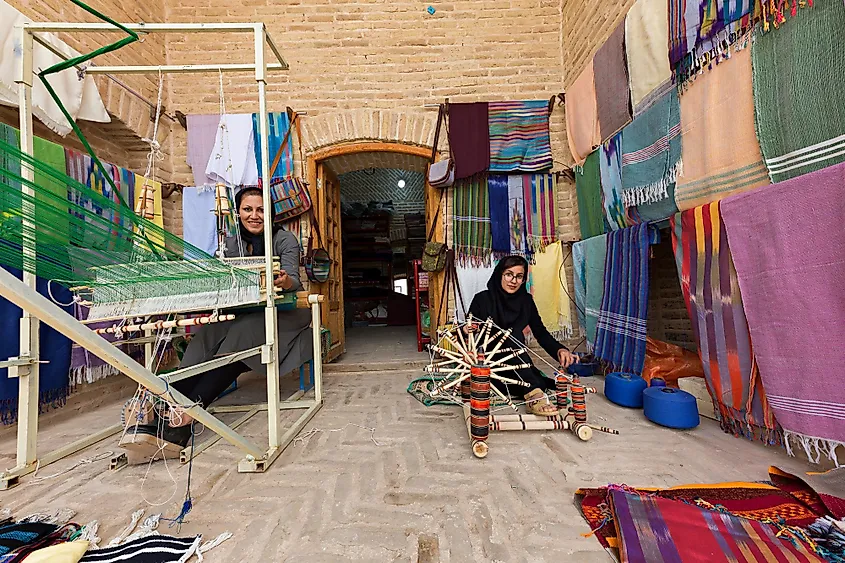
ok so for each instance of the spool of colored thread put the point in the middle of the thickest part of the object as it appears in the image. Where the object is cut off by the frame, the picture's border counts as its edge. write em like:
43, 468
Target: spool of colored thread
657, 382
479, 403
562, 391
465, 390
579, 402
625, 389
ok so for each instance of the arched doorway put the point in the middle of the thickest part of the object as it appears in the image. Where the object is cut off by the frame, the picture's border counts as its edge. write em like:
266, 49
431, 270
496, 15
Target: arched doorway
324, 167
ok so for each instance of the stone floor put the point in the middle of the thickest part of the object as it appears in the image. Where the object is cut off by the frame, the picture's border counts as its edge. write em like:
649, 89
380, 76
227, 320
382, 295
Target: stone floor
408, 491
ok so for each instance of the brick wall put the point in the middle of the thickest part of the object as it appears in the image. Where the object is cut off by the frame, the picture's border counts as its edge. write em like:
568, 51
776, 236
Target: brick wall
586, 26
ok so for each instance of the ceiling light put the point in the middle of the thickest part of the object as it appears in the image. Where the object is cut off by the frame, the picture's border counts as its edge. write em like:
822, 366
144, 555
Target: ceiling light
401, 183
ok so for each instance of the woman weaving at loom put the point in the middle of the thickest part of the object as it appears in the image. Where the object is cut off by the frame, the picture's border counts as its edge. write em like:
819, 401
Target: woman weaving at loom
508, 303
149, 433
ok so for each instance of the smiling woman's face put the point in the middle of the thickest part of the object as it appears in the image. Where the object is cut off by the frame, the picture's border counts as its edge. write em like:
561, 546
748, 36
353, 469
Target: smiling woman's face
251, 213
513, 278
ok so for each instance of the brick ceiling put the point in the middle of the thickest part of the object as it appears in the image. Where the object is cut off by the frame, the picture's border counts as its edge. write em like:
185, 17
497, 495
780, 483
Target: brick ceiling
367, 160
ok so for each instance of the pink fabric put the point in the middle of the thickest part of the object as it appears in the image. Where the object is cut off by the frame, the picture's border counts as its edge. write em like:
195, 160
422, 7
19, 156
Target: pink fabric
202, 130
788, 245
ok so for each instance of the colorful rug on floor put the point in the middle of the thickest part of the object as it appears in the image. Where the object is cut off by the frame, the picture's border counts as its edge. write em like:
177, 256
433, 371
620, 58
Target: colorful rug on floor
473, 240
787, 243
721, 153
519, 136
798, 87
711, 292
651, 152
755, 501
823, 492
621, 329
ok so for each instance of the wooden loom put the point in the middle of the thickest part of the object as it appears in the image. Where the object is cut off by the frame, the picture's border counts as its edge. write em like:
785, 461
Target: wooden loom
470, 360
37, 308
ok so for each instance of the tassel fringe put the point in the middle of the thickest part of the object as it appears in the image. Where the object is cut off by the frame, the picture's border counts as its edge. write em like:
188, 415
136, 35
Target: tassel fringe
653, 193
814, 447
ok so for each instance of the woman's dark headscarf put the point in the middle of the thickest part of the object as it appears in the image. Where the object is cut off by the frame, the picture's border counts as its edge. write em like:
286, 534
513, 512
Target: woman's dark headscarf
509, 309
255, 241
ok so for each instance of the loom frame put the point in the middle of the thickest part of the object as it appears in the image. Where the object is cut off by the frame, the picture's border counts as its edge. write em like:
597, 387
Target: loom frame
37, 309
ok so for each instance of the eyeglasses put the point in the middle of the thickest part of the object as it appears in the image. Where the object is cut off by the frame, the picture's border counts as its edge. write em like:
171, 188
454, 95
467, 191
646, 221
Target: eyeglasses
510, 276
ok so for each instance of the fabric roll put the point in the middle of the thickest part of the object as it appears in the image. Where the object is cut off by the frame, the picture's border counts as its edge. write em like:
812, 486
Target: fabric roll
469, 138
519, 136
232, 159
613, 97
202, 134
787, 243
721, 153
646, 37
582, 118
798, 86
199, 223
589, 191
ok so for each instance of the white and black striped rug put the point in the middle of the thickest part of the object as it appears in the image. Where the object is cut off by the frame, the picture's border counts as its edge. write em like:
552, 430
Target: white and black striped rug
151, 549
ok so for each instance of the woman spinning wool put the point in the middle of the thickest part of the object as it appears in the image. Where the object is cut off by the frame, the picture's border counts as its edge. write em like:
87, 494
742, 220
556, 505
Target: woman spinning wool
294, 344
508, 303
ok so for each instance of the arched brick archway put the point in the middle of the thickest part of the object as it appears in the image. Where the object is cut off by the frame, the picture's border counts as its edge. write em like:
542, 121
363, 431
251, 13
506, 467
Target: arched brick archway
405, 127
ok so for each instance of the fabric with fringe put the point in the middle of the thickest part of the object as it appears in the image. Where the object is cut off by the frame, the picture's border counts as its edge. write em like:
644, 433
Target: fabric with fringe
540, 206
651, 153
519, 136
721, 153
150, 549
787, 244
798, 91
472, 239
549, 292
714, 304
825, 491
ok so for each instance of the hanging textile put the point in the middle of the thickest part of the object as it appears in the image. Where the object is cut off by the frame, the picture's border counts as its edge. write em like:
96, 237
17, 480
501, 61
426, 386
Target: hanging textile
497, 192
472, 280
519, 136
712, 296
232, 160
657, 211
79, 95
199, 223
659, 530
613, 97
827, 486
589, 191
582, 118
52, 155
798, 89
469, 138
516, 217
621, 330
721, 153
787, 243
610, 166
540, 206
548, 289
651, 152
473, 241
646, 37
278, 126
149, 549
595, 256
202, 134
702, 32
53, 380
579, 278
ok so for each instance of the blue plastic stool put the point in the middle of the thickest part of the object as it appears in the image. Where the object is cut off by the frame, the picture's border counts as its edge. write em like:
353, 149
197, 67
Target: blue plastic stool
670, 407
625, 389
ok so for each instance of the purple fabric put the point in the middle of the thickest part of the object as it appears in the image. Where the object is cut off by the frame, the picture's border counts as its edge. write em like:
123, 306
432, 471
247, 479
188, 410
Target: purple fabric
613, 96
469, 138
788, 245
202, 131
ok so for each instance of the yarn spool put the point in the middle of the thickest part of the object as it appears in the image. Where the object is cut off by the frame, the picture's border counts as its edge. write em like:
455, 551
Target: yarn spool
583, 431
582, 369
579, 403
465, 390
562, 391
146, 203
670, 407
479, 406
657, 382
625, 389
221, 199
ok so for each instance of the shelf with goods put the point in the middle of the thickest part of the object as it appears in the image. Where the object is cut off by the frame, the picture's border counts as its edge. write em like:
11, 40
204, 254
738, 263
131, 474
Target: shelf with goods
367, 267
418, 287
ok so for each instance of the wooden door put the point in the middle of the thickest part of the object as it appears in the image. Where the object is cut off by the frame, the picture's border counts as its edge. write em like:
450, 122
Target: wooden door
327, 209
434, 199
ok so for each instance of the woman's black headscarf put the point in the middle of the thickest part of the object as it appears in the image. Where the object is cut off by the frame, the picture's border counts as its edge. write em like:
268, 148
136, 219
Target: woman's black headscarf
254, 241
509, 310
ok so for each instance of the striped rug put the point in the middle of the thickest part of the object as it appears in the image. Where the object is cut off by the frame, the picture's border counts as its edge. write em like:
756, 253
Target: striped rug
519, 136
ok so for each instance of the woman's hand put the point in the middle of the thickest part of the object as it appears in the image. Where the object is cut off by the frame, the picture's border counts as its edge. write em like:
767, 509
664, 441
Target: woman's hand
283, 281
566, 358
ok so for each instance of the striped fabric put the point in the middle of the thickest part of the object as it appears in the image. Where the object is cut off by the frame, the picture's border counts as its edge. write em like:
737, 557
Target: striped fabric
660, 530
798, 89
540, 205
516, 217
473, 239
721, 153
711, 292
651, 152
151, 549
788, 244
278, 126
519, 136
621, 329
